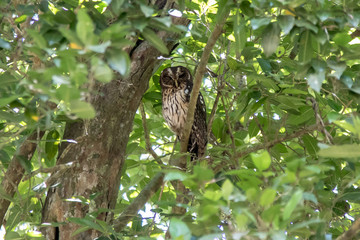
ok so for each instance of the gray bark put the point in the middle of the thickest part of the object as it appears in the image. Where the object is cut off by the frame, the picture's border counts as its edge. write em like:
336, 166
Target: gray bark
100, 152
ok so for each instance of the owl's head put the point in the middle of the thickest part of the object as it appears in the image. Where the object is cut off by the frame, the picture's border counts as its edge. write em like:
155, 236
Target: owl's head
175, 77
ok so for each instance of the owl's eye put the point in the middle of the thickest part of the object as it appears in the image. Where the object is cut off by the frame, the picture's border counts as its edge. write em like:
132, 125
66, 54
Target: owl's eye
182, 75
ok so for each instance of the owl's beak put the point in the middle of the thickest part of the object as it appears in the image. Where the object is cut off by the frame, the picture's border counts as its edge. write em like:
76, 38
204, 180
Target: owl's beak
176, 84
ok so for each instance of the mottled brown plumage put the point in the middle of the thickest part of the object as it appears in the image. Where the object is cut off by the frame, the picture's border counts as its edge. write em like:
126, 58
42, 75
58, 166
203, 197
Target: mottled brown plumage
176, 84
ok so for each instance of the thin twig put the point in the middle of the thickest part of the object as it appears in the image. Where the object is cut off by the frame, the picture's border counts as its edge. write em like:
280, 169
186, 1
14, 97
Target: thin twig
272, 143
139, 202
147, 137
227, 117
260, 127
319, 120
56, 168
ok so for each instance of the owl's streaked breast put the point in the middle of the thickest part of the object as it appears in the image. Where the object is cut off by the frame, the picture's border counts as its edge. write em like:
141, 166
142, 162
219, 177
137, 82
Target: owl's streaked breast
175, 109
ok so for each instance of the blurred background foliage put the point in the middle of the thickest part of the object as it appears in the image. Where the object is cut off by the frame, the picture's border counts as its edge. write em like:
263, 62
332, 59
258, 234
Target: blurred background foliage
282, 92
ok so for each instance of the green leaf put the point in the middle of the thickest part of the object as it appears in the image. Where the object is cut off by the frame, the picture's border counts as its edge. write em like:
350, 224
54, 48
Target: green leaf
310, 144
305, 47
70, 35
87, 223
165, 21
175, 175
179, 230
339, 68
14, 218
38, 38
291, 205
67, 94
115, 31
13, 236
101, 70
351, 197
265, 65
270, 38
259, 22
261, 160
100, 48
306, 24
51, 145
286, 23
267, 197
341, 151
120, 62
80, 230
21, 19
306, 113
7, 100
316, 79
227, 189
305, 224
203, 173
147, 11
82, 109
342, 39
240, 32
253, 129
64, 16
85, 27
116, 5
154, 40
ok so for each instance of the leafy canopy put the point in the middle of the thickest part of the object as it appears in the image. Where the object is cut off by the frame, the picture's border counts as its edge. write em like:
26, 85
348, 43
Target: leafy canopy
282, 93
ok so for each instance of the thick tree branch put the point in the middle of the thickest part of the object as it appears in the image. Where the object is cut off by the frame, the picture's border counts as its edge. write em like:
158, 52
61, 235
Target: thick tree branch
15, 170
201, 69
353, 230
198, 79
139, 201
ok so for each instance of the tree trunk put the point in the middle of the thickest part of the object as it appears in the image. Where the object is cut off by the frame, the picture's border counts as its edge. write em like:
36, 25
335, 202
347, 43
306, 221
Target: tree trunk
99, 153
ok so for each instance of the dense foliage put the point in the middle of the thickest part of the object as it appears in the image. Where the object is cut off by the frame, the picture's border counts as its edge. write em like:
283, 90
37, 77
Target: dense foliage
282, 92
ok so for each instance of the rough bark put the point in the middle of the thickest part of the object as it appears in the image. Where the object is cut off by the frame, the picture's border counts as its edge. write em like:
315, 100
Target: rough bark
100, 153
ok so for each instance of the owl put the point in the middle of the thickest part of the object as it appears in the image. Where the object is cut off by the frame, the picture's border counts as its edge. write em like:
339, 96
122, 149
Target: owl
176, 85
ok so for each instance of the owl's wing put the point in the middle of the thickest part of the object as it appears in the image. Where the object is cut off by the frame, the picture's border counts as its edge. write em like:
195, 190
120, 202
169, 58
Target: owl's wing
198, 135
187, 90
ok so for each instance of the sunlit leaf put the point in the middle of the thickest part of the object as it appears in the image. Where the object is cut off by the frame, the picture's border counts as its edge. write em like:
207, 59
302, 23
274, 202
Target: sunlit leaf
179, 230
341, 151
82, 109
85, 27
267, 197
261, 160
